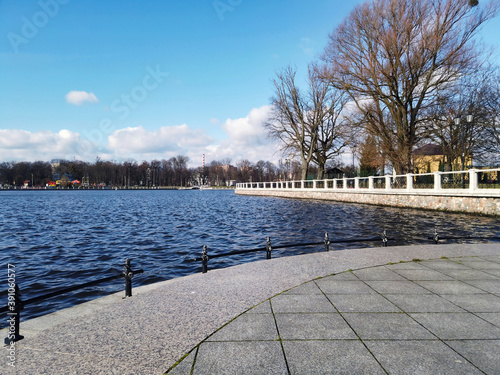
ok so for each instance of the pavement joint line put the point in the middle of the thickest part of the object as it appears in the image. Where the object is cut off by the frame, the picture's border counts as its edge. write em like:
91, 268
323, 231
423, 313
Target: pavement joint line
279, 335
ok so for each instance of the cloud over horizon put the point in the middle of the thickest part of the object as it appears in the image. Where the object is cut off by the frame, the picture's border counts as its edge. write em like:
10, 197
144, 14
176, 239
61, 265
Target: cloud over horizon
80, 97
22, 145
246, 139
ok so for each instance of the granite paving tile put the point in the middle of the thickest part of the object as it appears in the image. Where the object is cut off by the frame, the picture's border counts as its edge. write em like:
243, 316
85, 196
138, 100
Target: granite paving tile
493, 272
449, 287
330, 357
262, 308
480, 264
185, 366
419, 357
423, 275
331, 285
256, 327
397, 287
444, 264
491, 286
406, 266
317, 326
307, 288
482, 353
343, 276
475, 302
377, 273
469, 274
386, 326
290, 303
362, 303
457, 326
250, 357
493, 318
490, 258
422, 303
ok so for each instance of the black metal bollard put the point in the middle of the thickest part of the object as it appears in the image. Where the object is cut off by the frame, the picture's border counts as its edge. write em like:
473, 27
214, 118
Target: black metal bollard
384, 238
269, 248
327, 242
14, 306
128, 274
204, 260
436, 236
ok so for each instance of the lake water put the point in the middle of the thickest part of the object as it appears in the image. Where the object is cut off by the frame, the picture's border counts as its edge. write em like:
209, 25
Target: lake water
62, 238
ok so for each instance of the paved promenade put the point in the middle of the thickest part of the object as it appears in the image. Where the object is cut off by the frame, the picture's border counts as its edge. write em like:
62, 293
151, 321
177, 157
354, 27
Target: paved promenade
419, 309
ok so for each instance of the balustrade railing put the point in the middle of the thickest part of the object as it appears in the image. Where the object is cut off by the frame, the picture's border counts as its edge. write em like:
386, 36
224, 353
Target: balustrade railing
472, 181
268, 248
325, 243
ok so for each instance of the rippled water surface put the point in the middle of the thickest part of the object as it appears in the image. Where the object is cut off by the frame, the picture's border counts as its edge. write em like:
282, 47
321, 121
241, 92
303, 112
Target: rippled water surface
62, 238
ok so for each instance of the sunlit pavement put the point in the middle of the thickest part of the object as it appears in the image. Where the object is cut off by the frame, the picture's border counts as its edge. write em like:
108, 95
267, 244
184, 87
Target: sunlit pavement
439, 316
409, 309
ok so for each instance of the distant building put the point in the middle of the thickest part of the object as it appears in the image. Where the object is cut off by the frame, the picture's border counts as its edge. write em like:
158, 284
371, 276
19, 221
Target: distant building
331, 173
428, 158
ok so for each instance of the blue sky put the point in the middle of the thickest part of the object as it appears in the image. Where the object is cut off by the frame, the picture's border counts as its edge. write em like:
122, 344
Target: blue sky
152, 79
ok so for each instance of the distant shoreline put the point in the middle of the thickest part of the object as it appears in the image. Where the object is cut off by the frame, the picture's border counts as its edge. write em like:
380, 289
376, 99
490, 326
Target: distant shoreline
119, 188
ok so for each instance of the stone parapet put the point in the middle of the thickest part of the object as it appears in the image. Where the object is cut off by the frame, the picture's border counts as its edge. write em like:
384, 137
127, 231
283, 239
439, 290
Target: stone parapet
454, 203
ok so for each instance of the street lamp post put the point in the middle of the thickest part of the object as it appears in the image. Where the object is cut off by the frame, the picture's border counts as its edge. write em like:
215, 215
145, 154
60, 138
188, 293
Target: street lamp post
353, 168
469, 117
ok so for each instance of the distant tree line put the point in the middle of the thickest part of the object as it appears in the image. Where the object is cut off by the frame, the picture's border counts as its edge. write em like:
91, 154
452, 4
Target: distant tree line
173, 172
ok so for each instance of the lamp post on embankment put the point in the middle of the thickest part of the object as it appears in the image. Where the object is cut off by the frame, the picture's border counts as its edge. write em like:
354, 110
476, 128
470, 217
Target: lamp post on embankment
469, 117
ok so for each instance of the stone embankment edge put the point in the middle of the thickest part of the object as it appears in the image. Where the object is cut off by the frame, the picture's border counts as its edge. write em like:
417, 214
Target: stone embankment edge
484, 205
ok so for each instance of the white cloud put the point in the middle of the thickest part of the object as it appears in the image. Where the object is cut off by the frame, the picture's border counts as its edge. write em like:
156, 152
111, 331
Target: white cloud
248, 130
80, 97
247, 138
162, 143
44, 145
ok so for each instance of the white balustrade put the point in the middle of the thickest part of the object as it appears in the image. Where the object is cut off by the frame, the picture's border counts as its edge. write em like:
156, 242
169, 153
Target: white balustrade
452, 183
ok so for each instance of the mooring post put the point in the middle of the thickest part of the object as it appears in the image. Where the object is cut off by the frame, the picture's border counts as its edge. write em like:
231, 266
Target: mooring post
269, 248
436, 236
128, 274
384, 238
15, 305
327, 242
204, 260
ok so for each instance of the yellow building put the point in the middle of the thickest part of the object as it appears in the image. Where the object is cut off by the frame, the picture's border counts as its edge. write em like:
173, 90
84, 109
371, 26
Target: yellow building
428, 158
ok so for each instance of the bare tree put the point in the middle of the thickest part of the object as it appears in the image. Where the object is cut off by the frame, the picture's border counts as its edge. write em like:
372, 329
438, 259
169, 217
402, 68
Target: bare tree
307, 124
288, 121
333, 130
393, 56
